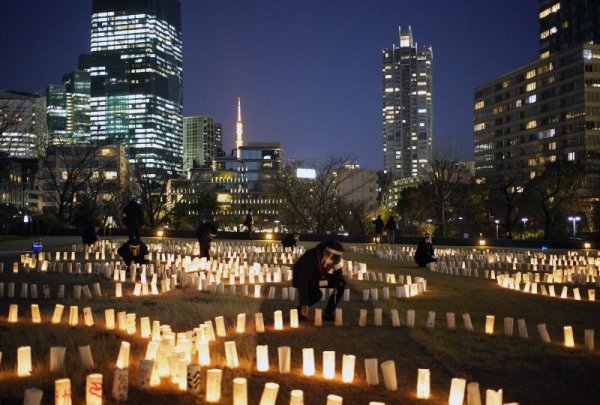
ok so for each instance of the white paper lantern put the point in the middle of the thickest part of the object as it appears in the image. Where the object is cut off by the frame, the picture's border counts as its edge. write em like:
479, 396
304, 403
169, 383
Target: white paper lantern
308, 361
423, 384
24, 368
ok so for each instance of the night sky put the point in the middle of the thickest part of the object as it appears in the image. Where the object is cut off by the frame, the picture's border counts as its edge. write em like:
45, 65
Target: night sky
308, 71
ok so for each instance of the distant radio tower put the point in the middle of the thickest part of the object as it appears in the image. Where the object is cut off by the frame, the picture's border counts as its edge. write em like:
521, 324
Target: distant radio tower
239, 142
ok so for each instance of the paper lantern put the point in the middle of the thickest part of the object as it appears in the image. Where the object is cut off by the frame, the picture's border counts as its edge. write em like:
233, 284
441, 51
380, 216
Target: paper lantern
308, 361
109, 319
240, 391
88, 318
120, 386
388, 369
543, 333
284, 353
73, 315
423, 377
467, 322
269, 394
278, 320
348, 361
57, 358
262, 358
24, 361
241, 323
378, 317
93, 389
259, 324
338, 317
123, 359
130, 324
473, 395
493, 397
35, 314
294, 318
589, 340
329, 365
62, 392
410, 318
457, 391
297, 397
203, 353
85, 354
118, 290
489, 324
220, 325
371, 371
13, 313
145, 330
33, 396
57, 315
231, 354
156, 331
182, 375
213, 385
430, 323
318, 317
568, 336
334, 400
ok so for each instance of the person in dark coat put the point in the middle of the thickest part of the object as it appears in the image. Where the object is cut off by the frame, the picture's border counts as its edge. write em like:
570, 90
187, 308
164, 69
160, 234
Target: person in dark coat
391, 226
249, 223
133, 218
290, 240
378, 228
425, 252
134, 250
90, 234
319, 267
205, 233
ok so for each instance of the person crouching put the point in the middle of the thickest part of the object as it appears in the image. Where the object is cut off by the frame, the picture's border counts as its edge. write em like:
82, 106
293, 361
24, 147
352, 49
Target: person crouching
319, 267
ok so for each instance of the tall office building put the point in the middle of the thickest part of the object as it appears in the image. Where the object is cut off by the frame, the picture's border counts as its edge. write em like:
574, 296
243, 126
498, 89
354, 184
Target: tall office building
202, 141
68, 109
566, 24
546, 111
22, 124
407, 107
136, 79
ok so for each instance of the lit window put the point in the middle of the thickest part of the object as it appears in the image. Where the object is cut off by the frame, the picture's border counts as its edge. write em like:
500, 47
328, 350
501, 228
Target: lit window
531, 99
571, 156
531, 86
552, 146
479, 104
531, 124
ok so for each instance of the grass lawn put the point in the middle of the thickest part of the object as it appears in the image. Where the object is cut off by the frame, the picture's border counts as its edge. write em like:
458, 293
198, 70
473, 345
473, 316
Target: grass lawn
528, 371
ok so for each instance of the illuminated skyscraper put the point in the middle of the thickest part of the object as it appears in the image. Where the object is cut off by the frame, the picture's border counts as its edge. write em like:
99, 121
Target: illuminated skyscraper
202, 141
136, 66
68, 109
407, 107
239, 130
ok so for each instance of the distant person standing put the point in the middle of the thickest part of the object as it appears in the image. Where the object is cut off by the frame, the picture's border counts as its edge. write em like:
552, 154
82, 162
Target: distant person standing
378, 228
133, 218
205, 233
249, 223
391, 226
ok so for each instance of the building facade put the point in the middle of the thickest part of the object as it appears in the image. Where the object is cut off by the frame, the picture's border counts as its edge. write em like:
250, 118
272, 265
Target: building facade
548, 110
136, 79
202, 141
358, 186
68, 109
407, 107
22, 124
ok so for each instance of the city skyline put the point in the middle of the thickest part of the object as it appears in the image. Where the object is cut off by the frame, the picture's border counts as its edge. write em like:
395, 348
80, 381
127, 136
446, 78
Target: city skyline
305, 71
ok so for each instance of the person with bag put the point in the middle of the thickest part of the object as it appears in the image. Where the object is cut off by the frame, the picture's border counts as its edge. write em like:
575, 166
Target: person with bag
319, 267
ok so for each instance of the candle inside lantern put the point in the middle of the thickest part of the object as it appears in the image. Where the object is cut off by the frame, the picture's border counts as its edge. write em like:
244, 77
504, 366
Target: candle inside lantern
58, 311
262, 357
231, 354
73, 315
278, 320
334, 400
493, 397
294, 318
568, 336
220, 325
473, 395
297, 397
62, 391
457, 391
123, 359
348, 361
423, 378
308, 361
259, 324
35, 314
88, 318
13, 313
118, 290
269, 395
489, 324
284, 353
241, 323
145, 327
93, 389
24, 361
213, 385
240, 391
109, 319
329, 365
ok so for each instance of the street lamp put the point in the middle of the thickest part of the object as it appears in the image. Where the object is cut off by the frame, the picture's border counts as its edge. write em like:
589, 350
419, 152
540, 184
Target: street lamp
575, 220
524, 220
497, 222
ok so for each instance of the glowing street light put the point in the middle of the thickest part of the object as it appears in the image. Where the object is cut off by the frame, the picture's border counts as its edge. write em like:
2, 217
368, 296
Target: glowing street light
524, 220
575, 220
497, 222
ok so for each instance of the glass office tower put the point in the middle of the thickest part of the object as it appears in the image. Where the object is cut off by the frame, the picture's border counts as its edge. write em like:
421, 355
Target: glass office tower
136, 79
68, 109
202, 141
407, 108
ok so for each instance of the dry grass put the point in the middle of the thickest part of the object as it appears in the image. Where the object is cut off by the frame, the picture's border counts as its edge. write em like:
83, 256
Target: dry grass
529, 372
